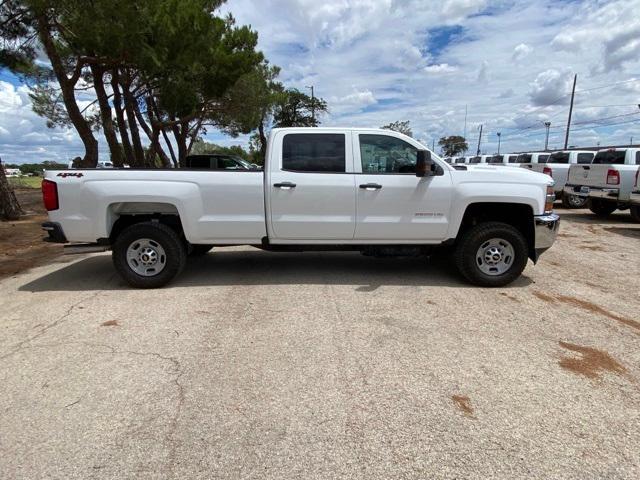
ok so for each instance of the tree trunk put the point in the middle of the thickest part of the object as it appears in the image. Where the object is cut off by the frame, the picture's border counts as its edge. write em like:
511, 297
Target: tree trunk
67, 86
105, 115
151, 103
129, 100
9, 206
122, 123
180, 134
263, 142
153, 133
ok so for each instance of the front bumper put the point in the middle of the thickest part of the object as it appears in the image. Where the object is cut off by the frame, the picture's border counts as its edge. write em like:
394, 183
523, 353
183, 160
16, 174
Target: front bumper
55, 232
546, 231
634, 199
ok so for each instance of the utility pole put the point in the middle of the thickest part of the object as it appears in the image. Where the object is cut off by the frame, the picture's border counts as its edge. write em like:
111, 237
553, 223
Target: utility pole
573, 94
433, 145
313, 105
546, 140
464, 135
498, 133
479, 141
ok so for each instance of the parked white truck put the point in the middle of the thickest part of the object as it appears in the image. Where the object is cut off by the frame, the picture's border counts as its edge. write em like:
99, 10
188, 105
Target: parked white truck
557, 167
374, 191
607, 181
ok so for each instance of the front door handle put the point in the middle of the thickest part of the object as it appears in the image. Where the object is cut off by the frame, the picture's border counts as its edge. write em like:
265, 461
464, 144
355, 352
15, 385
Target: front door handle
285, 185
371, 186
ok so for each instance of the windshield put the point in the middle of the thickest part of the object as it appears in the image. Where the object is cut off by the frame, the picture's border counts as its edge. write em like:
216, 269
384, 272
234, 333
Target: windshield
496, 159
559, 157
524, 158
610, 157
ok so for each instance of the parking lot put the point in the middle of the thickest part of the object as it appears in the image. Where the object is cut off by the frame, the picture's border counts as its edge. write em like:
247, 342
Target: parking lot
328, 365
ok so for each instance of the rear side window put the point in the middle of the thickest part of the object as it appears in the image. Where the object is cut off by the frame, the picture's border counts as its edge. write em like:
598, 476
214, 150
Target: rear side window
585, 157
544, 158
462, 159
512, 159
475, 159
558, 157
199, 161
610, 157
314, 152
495, 159
524, 158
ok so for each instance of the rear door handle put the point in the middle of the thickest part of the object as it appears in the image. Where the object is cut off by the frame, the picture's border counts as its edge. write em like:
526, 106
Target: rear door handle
285, 185
371, 186
587, 168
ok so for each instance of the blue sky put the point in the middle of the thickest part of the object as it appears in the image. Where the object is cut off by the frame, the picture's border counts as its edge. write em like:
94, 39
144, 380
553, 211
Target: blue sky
376, 61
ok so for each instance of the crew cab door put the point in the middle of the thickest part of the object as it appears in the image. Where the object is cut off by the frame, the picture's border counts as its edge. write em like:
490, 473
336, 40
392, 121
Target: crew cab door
311, 186
392, 203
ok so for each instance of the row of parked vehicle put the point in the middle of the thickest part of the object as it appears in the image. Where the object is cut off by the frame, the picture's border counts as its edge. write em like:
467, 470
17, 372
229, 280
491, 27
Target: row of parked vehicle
604, 181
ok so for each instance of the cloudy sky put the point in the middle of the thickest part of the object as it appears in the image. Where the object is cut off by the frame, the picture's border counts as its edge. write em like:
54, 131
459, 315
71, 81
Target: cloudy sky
509, 63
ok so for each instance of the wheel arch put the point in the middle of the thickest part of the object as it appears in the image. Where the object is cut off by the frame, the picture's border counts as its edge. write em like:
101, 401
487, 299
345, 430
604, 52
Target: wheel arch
124, 214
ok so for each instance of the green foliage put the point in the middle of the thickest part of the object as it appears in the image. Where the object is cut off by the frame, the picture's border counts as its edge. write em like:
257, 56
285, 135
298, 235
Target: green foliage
453, 145
202, 147
401, 127
296, 109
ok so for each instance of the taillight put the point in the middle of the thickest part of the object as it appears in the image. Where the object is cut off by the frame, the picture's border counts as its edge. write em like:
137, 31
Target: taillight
50, 195
551, 197
613, 177
547, 171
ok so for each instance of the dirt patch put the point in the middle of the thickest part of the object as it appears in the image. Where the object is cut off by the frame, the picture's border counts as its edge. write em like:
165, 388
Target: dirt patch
463, 403
593, 248
510, 297
591, 363
566, 235
110, 323
593, 308
544, 297
21, 245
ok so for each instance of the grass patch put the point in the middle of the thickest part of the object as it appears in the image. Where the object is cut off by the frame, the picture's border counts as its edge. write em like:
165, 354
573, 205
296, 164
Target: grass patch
25, 182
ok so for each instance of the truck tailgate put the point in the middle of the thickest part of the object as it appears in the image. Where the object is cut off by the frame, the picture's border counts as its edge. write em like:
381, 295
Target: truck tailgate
588, 175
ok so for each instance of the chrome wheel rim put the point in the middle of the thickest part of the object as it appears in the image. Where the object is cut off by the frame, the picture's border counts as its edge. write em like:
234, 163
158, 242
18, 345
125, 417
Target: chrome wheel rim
146, 257
495, 256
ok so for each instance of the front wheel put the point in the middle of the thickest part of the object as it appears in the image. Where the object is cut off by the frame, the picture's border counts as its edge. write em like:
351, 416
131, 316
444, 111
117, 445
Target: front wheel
491, 254
148, 255
602, 208
635, 212
573, 201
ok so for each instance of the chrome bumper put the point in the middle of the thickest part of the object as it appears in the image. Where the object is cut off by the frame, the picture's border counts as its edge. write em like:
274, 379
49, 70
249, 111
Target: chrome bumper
546, 230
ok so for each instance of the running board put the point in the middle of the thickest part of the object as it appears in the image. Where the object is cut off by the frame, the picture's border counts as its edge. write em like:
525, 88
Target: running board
78, 248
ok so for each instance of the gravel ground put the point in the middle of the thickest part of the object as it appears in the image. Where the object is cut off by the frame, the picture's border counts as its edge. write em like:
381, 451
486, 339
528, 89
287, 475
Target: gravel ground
332, 365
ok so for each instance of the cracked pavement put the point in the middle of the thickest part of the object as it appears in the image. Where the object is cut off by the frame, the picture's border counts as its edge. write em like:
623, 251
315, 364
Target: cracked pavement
327, 365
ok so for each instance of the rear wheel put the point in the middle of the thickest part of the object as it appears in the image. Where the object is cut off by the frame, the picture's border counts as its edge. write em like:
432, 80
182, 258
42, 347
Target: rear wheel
573, 201
602, 208
635, 212
491, 254
148, 255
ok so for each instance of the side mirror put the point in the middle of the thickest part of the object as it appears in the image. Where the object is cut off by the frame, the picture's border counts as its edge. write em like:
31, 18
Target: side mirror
424, 164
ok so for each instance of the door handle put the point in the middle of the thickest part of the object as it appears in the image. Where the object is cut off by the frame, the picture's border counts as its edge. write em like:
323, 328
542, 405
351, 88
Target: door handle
587, 168
285, 185
371, 186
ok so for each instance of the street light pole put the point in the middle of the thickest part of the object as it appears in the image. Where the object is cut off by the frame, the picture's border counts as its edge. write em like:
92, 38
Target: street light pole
479, 141
313, 105
498, 133
546, 140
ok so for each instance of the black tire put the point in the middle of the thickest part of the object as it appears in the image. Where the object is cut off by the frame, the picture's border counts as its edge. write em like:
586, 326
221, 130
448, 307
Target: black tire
472, 240
175, 254
574, 201
634, 210
199, 250
602, 208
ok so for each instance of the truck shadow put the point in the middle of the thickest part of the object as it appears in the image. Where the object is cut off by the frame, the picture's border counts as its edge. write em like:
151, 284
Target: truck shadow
585, 216
253, 267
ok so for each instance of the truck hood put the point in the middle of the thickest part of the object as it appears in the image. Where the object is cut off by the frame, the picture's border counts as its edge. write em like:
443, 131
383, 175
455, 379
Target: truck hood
491, 174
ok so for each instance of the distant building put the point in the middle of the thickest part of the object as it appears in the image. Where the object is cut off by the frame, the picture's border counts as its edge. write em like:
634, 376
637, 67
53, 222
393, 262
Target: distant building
12, 172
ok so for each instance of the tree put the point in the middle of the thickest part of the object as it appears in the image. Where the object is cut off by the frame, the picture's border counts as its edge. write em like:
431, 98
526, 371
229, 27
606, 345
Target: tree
453, 145
401, 127
9, 206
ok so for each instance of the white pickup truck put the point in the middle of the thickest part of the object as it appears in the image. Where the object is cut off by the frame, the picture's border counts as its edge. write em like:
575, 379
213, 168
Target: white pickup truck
634, 199
374, 191
557, 167
607, 181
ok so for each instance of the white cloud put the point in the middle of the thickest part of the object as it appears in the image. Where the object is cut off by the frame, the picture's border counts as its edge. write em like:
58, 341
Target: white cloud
521, 51
550, 87
440, 68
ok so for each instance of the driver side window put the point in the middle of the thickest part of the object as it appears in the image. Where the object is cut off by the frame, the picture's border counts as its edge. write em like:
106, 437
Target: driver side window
384, 154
